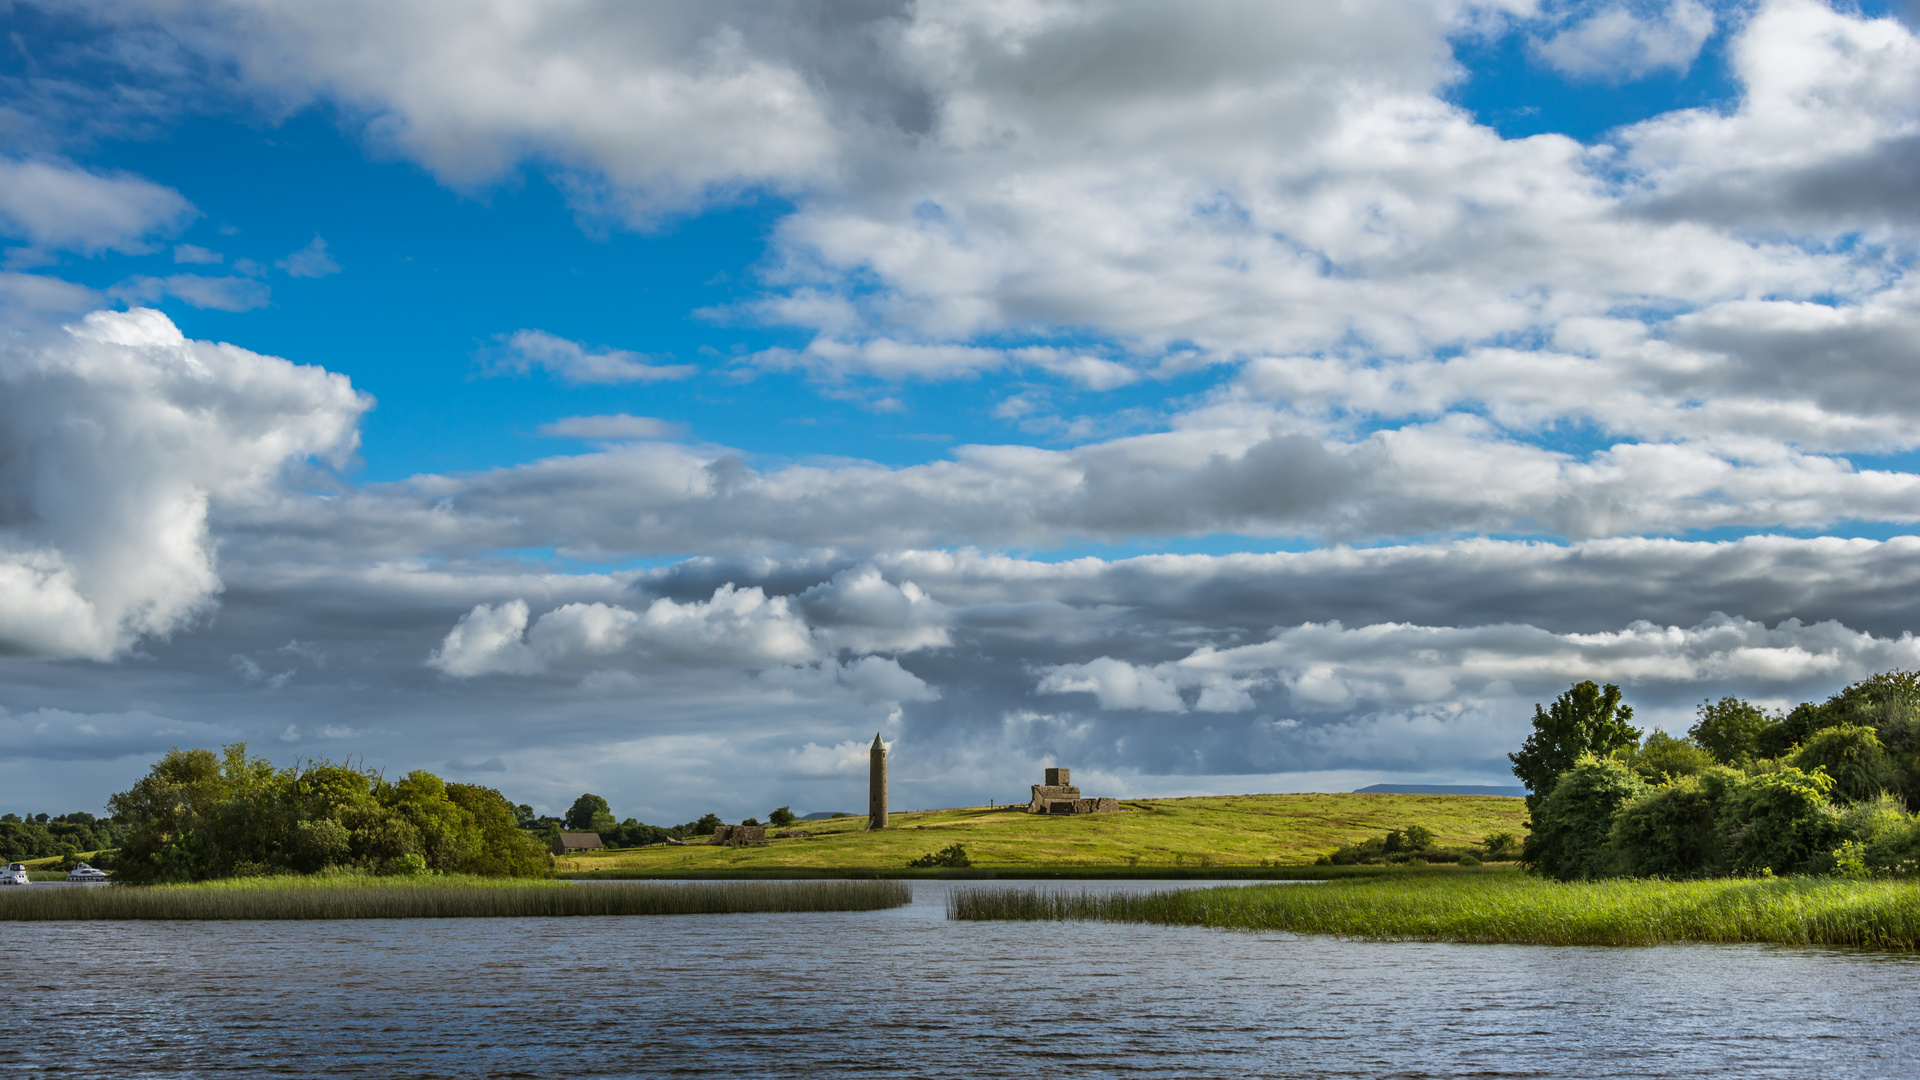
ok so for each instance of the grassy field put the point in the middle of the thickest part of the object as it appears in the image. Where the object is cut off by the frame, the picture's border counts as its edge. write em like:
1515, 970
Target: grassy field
1504, 906
1150, 836
330, 897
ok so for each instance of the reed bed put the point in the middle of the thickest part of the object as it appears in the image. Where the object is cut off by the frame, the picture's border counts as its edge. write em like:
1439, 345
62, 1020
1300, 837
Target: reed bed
1510, 908
455, 900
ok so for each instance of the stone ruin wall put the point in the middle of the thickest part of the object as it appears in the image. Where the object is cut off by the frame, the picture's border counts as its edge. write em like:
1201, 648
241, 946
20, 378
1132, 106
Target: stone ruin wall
738, 835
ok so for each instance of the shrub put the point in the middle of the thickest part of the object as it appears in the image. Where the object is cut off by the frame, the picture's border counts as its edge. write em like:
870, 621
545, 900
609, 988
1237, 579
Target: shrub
951, 856
1501, 845
1568, 837
1672, 830
1468, 860
1780, 822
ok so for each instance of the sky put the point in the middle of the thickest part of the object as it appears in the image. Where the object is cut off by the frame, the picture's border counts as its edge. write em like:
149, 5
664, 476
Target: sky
659, 400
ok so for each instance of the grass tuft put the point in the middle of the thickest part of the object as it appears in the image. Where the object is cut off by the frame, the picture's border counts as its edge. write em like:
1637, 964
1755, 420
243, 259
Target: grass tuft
337, 898
1506, 908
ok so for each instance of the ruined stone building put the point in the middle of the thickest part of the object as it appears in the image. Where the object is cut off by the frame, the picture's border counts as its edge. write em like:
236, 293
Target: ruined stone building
1059, 796
738, 835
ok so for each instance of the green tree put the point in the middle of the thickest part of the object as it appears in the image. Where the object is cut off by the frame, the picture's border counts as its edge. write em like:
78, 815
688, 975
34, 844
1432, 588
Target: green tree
1729, 729
588, 813
506, 850
1852, 755
1568, 838
1662, 757
1587, 719
781, 817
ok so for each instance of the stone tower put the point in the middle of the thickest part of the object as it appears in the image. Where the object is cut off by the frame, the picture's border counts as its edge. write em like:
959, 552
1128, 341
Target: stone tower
877, 786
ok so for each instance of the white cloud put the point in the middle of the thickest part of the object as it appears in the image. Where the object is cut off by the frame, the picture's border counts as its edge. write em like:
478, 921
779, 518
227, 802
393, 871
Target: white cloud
1617, 43
1327, 667
118, 436
58, 206
231, 293
193, 253
572, 362
618, 427
311, 261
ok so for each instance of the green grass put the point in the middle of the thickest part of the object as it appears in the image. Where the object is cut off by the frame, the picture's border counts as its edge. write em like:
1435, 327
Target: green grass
1206, 836
323, 897
1507, 907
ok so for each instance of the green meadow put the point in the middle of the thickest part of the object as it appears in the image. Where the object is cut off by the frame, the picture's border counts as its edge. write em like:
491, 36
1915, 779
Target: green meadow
1149, 837
444, 897
1506, 906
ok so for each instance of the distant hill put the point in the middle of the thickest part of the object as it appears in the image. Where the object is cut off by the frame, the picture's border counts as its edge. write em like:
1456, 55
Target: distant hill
1515, 790
824, 815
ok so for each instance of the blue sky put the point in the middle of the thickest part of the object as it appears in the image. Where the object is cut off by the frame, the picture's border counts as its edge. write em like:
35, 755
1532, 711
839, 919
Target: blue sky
1117, 388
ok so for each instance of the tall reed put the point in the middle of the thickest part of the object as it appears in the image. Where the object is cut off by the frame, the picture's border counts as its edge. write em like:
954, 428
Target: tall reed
443, 901
1509, 908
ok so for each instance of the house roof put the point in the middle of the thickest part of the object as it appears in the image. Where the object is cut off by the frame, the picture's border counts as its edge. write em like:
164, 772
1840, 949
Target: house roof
580, 839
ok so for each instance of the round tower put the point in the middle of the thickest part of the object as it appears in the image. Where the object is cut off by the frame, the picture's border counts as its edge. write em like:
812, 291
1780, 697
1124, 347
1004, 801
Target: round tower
877, 786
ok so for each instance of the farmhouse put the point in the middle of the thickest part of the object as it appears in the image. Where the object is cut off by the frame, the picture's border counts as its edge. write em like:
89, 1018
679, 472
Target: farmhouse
569, 842
1059, 796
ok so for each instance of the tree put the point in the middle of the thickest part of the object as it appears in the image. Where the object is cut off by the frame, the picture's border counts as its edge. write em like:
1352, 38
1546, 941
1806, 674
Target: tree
1780, 822
586, 810
781, 817
1587, 719
1663, 757
1729, 729
1852, 755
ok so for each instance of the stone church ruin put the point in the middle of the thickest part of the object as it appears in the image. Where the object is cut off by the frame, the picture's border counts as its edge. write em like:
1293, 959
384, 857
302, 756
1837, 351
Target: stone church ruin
1059, 796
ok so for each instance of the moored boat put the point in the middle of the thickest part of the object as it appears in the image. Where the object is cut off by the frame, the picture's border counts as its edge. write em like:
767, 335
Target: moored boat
16, 874
87, 875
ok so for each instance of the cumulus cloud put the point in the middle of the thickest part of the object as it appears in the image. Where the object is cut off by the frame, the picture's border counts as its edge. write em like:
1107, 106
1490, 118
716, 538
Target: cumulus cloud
524, 350
58, 206
1617, 43
118, 436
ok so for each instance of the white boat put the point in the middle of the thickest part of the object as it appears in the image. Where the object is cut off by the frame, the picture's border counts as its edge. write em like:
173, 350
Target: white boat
84, 874
16, 874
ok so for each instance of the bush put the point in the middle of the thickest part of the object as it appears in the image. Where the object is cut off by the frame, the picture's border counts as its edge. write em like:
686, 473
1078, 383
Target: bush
1673, 830
952, 856
1780, 822
1663, 757
1568, 839
1468, 860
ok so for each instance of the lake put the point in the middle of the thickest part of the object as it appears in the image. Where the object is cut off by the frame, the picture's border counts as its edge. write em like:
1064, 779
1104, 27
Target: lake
905, 993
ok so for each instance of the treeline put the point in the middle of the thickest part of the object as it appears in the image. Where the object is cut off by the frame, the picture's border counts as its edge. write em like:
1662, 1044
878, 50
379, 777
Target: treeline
1826, 788
39, 836
197, 816
590, 813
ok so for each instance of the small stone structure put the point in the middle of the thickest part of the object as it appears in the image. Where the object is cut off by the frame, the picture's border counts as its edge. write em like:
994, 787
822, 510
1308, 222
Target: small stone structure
738, 835
1059, 796
569, 842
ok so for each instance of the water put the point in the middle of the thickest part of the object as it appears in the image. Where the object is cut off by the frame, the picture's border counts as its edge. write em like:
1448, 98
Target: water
906, 993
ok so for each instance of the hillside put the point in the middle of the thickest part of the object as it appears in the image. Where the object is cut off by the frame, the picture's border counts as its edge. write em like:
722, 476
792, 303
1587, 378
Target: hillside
1208, 831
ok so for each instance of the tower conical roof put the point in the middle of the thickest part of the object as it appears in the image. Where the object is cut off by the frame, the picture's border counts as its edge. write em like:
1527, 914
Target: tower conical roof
877, 744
